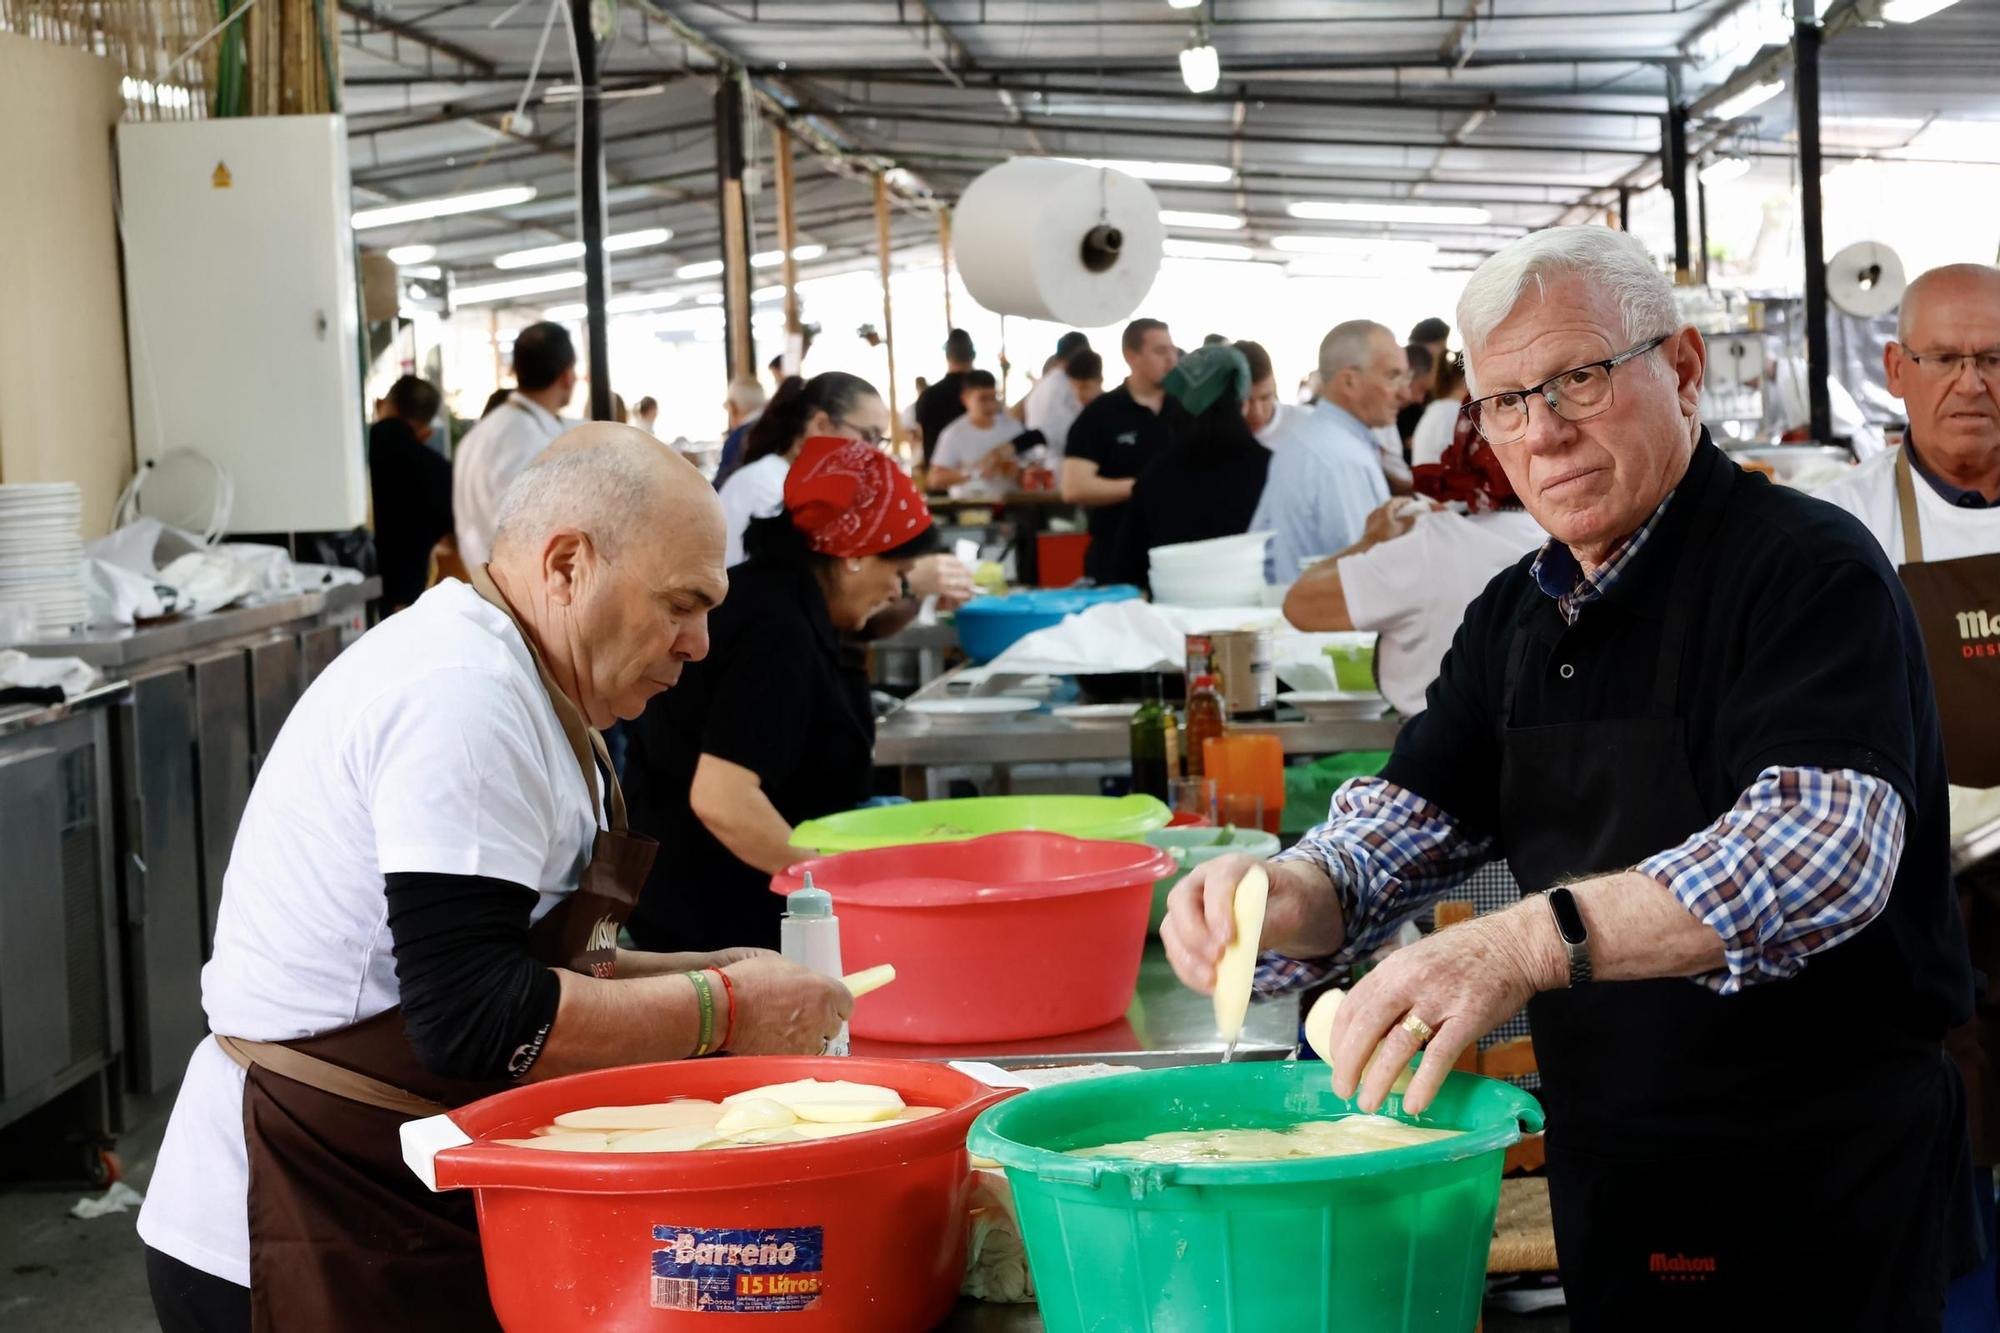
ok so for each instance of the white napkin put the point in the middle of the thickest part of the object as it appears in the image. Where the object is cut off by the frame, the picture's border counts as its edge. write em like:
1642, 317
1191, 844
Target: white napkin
1118, 636
72, 673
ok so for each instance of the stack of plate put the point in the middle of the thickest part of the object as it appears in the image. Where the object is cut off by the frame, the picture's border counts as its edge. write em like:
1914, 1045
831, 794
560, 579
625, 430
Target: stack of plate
1222, 571
41, 552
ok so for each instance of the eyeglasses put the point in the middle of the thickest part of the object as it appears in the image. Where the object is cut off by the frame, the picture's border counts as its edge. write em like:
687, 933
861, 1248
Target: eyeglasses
1577, 394
1950, 365
872, 435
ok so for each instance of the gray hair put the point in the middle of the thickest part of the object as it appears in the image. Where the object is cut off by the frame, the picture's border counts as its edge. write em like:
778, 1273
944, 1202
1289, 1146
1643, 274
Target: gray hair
746, 394
1350, 346
609, 492
1611, 262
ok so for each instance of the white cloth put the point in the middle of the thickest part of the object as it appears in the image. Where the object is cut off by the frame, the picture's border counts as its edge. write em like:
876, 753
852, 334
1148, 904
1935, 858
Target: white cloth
1413, 590
755, 490
1286, 426
1052, 409
1320, 491
961, 445
1869, 493
428, 746
72, 674
497, 447
1389, 445
1434, 431
1791, 408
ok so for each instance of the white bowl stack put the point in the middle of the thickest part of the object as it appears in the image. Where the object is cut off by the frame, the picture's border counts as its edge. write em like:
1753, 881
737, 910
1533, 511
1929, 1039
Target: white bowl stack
41, 553
1222, 571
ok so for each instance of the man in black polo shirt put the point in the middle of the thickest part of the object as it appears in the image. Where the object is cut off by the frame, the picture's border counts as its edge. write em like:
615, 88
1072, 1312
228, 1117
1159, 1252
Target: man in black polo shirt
1114, 438
1698, 725
943, 402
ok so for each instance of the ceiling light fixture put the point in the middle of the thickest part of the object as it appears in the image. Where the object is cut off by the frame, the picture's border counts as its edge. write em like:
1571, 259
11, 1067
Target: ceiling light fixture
1453, 215
772, 258
556, 254
1748, 100
1913, 11
418, 210
1183, 4
512, 287
1725, 169
1372, 246
707, 268
1174, 217
1201, 68
1180, 249
404, 255
1172, 173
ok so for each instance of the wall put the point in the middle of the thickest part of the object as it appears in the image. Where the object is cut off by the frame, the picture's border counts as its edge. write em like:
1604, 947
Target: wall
64, 399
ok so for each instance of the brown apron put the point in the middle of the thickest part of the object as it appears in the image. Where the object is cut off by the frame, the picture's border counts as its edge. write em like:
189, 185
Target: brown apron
343, 1238
1958, 608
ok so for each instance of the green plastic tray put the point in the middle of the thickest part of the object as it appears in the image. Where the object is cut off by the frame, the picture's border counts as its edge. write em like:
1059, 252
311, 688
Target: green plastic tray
1115, 818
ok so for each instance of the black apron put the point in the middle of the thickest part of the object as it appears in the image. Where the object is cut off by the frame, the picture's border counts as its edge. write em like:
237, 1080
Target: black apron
1698, 1180
343, 1238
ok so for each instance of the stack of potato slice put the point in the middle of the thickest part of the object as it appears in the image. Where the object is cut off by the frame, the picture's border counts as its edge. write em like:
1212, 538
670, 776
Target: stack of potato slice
797, 1112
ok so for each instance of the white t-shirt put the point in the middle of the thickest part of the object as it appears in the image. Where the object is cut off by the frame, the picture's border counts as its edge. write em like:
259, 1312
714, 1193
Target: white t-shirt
961, 445
1434, 431
428, 746
1389, 444
1869, 493
1052, 409
755, 490
1413, 590
497, 447
1286, 425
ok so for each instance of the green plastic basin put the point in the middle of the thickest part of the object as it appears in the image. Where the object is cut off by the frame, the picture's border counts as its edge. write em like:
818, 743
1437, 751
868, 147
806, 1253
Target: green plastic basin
1192, 846
1113, 818
1389, 1242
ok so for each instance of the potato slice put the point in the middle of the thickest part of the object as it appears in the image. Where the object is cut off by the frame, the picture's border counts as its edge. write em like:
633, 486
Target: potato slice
662, 1140
832, 1130
756, 1113
561, 1143
689, 1114
751, 1138
844, 1113
1319, 1035
869, 979
919, 1112
802, 1095
1236, 971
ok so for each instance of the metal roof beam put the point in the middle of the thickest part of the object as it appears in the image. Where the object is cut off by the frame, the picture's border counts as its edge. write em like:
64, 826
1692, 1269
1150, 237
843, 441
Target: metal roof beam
415, 35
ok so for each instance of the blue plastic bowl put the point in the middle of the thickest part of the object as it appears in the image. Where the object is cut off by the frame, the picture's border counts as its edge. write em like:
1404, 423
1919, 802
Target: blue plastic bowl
988, 626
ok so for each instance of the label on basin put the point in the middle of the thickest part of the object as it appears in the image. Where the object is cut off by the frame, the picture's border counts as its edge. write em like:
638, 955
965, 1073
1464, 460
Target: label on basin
731, 1271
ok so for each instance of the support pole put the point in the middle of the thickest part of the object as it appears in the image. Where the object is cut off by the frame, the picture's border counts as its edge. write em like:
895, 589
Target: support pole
888, 314
1675, 172
944, 252
1701, 226
1819, 359
788, 241
590, 205
1624, 208
738, 354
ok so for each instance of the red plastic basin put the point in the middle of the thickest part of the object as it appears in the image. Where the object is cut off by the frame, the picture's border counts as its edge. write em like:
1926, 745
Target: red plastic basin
1002, 938
855, 1234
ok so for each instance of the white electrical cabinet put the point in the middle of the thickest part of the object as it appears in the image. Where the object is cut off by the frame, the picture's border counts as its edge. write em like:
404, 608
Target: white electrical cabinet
242, 314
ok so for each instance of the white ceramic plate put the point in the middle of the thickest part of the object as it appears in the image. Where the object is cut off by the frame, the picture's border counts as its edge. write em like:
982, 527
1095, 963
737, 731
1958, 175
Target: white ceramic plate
1096, 715
1335, 705
970, 714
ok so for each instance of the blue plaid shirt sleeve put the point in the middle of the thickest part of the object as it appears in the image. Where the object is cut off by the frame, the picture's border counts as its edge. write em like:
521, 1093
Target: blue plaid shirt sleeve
1390, 853
1802, 861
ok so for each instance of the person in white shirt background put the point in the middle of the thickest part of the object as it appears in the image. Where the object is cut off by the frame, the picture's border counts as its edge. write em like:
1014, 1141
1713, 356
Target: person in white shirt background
1274, 423
1056, 399
979, 443
646, 415
831, 403
1417, 565
501, 442
1441, 425
1945, 366
1323, 487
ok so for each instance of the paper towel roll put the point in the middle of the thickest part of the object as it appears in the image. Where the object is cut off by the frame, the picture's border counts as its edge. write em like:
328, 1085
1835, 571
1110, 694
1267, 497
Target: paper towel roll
1020, 233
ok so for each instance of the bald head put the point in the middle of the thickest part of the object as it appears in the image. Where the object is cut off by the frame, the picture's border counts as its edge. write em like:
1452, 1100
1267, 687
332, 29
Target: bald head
1947, 286
609, 547
1947, 340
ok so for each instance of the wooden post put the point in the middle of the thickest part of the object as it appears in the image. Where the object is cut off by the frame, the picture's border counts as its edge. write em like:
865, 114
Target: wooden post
944, 250
788, 241
740, 357
888, 314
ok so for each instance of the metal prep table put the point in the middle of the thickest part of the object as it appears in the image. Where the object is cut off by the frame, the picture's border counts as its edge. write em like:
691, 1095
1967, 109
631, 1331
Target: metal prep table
201, 703
62, 1027
1168, 1025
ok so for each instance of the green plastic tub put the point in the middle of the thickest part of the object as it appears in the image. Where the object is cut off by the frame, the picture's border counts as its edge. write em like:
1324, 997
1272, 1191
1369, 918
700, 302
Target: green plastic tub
1390, 1242
1113, 818
1309, 788
1192, 846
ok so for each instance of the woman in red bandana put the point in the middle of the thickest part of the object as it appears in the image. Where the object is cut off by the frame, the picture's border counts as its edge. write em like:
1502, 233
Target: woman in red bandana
1420, 559
772, 728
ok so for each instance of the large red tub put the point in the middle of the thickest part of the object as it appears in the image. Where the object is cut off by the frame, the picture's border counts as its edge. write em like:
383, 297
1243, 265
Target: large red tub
860, 1234
1002, 938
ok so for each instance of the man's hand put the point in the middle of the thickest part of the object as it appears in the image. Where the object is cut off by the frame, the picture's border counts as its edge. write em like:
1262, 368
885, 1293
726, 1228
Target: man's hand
1463, 981
1000, 461
1301, 916
784, 1009
945, 577
1393, 519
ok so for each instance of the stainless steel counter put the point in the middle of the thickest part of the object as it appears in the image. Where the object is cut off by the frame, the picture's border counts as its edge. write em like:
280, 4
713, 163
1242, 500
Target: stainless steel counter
21, 717
115, 647
904, 740
1168, 1024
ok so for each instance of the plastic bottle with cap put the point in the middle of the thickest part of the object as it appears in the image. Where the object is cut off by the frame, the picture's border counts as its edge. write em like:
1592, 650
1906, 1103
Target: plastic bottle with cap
809, 935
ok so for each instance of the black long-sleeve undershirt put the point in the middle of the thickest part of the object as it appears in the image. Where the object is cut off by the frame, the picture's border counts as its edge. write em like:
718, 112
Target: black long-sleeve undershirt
476, 1004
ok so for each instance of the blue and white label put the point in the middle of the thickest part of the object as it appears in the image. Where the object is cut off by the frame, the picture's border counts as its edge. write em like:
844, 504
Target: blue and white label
737, 1272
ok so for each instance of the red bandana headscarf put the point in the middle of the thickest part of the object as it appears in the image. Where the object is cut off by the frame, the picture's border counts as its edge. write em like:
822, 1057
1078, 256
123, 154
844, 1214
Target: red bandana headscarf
1469, 471
850, 499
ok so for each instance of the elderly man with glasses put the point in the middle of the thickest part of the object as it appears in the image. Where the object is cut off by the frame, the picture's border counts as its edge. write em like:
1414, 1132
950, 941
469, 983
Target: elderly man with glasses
1698, 726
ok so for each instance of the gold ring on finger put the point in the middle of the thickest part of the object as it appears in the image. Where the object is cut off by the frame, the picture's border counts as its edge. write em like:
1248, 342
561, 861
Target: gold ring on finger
1419, 1029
